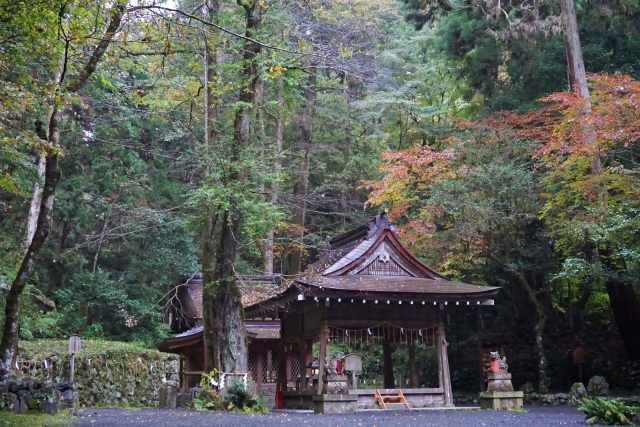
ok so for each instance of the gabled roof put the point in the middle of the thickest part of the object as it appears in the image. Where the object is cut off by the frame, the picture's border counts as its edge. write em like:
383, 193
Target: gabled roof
370, 261
344, 250
261, 331
253, 289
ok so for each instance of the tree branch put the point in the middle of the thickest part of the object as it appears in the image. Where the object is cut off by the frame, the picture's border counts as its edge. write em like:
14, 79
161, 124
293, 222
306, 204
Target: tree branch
117, 12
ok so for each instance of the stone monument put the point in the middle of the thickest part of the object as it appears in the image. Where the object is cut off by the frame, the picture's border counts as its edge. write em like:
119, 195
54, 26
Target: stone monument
335, 397
353, 364
500, 393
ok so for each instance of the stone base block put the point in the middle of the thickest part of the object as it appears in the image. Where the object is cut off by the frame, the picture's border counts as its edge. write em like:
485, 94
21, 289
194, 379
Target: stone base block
335, 384
498, 376
19, 406
183, 399
299, 400
167, 396
501, 400
335, 404
499, 381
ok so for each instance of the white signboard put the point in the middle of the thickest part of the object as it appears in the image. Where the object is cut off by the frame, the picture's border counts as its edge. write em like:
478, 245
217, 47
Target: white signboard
74, 344
353, 363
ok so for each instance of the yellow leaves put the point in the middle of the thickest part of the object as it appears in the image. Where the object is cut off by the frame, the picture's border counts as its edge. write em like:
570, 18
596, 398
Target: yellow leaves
273, 71
363, 11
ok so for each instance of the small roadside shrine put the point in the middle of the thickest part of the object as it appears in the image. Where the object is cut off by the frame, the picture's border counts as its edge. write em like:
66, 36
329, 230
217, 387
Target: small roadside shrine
366, 287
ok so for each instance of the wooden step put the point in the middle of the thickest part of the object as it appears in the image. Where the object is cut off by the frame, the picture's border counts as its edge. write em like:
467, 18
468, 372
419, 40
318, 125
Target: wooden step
396, 406
386, 400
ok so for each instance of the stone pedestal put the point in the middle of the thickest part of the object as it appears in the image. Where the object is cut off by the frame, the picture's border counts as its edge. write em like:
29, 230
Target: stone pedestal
167, 397
335, 384
335, 398
499, 381
335, 404
501, 400
500, 394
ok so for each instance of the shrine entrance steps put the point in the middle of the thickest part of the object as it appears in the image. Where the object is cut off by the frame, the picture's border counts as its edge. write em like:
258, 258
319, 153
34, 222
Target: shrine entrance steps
388, 400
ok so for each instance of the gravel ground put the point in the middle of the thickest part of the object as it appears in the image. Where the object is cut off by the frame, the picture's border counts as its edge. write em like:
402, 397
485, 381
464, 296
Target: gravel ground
533, 417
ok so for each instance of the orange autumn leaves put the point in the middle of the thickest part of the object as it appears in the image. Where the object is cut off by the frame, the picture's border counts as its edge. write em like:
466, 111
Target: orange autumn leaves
614, 121
568, 133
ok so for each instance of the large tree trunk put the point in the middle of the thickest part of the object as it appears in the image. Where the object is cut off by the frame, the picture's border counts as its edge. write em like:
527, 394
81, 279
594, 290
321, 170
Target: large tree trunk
543, 379
576, 71
208, 265
11, 310
51, 178
230, 352
230, 349
211, 72
34, 208
275, 188
301, 186
346, 148
626, 311
573, 49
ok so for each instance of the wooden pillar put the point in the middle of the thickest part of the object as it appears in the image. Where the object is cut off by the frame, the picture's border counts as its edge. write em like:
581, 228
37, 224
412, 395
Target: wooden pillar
309, 360
284, 367
182, 382
387, 367
480, 355
302, 348
413, 372
259, 372
443, 368
324, 336
288, 367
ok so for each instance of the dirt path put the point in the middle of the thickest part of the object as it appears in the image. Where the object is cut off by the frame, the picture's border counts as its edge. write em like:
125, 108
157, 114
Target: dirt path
533, 417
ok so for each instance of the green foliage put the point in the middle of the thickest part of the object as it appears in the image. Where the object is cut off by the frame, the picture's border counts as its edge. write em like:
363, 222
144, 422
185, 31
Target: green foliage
38, 349
608, 411
514, 72
237, 397
209, 399
240, 397
29, 419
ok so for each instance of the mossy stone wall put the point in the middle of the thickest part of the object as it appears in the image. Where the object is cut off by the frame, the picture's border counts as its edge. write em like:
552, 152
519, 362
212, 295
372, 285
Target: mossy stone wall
107, 373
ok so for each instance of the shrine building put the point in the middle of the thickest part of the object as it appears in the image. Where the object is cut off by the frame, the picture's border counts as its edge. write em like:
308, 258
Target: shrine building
366, 289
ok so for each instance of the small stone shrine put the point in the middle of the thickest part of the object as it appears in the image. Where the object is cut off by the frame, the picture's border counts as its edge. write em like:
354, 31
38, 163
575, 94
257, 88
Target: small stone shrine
335, 397
500, 393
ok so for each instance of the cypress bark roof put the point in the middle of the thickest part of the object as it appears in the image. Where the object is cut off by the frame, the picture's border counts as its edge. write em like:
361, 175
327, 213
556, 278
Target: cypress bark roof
255, 331
370, 260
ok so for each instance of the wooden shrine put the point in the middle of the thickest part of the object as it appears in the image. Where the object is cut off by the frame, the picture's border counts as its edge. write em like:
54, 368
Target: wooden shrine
183, 311
366, 286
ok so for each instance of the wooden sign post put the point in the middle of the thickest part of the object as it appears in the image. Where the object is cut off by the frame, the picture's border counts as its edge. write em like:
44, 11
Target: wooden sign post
353, 363
578, 359
74, 348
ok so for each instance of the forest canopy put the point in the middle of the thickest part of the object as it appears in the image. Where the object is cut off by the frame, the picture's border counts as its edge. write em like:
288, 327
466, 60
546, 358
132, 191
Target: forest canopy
144, 142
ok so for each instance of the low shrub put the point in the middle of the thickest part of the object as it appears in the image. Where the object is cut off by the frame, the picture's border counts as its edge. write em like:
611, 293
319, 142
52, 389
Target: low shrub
609, 411
241, 397
238, 397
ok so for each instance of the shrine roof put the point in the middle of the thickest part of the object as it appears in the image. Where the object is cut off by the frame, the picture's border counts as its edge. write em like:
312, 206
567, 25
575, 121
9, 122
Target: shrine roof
406, 285
255, 331
349, 247
192, 331
370, 260
263, 331
252, 288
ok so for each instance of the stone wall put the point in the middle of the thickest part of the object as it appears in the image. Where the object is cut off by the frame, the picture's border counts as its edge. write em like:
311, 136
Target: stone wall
107, 373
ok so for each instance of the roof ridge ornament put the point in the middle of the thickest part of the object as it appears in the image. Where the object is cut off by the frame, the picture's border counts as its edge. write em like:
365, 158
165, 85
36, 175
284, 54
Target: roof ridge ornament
382, 221
384, 256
